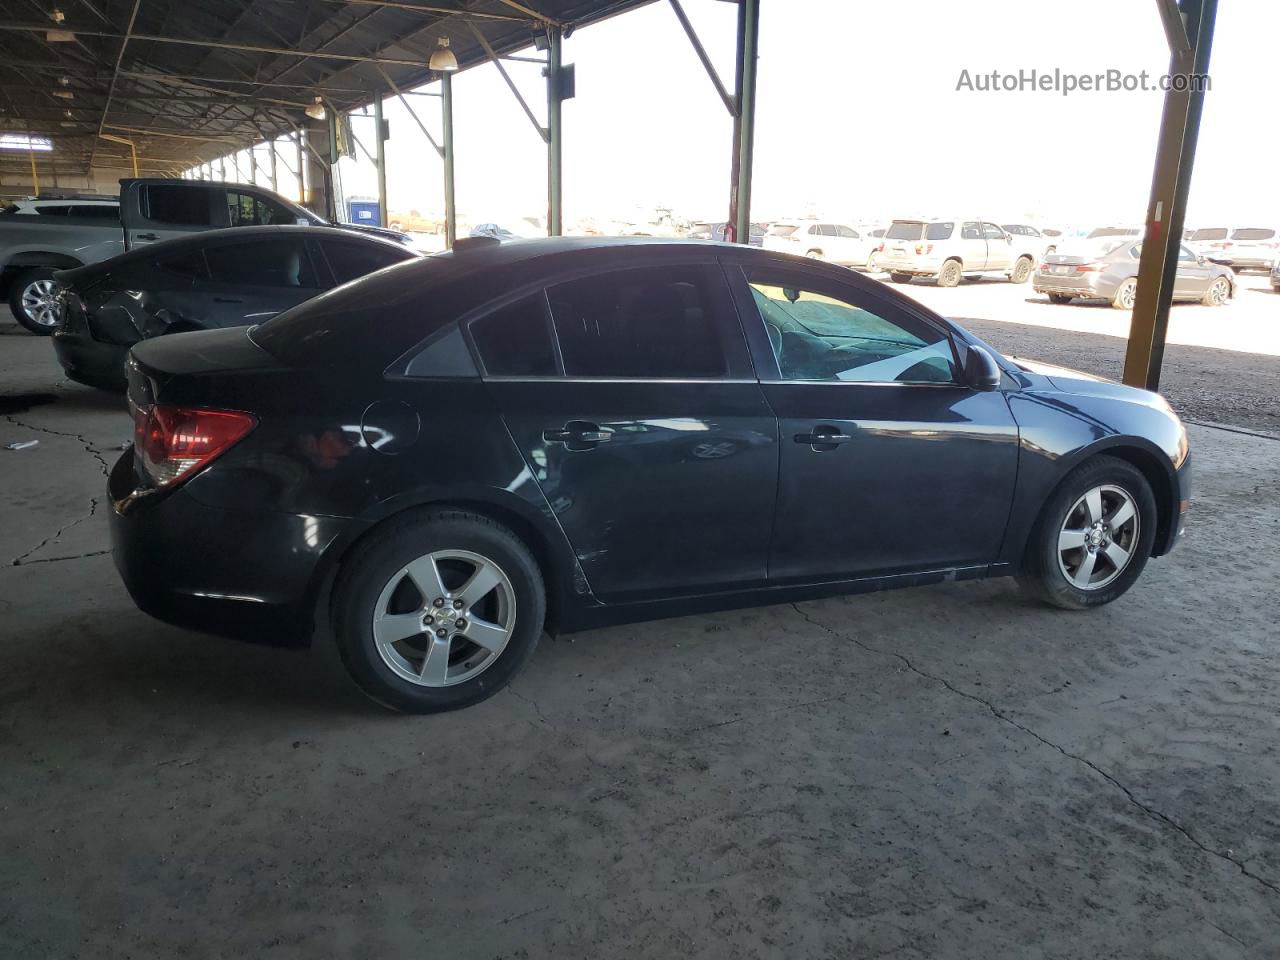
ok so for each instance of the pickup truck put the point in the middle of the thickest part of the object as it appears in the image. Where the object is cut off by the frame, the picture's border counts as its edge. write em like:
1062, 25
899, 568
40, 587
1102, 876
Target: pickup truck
34, 246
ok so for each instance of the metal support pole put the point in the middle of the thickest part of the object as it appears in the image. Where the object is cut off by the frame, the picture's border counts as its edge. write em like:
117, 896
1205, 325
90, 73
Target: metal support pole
275, 178
380, 157
302, 179
1170, 185
35, 180
555, 200
253, 164
450, 210
748, 44
222, 168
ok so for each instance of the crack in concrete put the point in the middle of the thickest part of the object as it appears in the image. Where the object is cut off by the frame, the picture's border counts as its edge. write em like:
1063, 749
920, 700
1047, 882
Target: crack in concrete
1005, 718
23, 561
77, 556
84, 442
93, 501
511, 689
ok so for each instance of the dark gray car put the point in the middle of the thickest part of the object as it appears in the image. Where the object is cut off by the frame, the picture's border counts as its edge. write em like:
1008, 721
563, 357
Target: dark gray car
223, 278
1107, 269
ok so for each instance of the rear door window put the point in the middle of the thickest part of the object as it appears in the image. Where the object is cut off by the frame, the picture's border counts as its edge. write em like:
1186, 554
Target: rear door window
254, 210
183, 205
268, 262
648, 323
516, 340
1249, 233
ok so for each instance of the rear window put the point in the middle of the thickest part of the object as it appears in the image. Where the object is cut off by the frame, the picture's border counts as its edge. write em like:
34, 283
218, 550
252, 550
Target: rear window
97, 211
904, 230
1209, 233
47, 210
940, 231
1253, 234
782, 230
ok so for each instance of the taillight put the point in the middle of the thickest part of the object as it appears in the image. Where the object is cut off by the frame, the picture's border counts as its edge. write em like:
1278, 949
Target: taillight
923, 248
172, 443
880, 249
1091, 268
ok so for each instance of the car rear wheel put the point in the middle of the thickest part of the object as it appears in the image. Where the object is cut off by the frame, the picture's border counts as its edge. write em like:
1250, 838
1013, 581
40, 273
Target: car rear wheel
33, 298
950, 274
1093, 537
1021, 270
1059, 298
871, 263
438, 612
1126, 293
900, 277
1218, 294
813, 254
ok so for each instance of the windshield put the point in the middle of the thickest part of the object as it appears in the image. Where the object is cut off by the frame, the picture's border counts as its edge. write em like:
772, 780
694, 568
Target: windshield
904, 230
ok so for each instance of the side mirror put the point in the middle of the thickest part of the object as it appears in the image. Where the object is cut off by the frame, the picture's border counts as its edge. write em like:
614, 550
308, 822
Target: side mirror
981, 372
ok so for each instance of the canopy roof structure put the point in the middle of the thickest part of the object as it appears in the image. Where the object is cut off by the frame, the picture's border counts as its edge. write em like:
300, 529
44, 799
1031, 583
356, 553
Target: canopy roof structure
187, 80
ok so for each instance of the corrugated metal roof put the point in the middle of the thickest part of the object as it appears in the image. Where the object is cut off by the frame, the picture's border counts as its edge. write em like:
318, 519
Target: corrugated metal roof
190, 80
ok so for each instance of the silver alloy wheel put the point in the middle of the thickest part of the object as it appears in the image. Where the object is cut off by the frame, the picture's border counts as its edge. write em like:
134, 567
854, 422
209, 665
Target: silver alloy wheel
444, 618
1098, 537
40, 302
1219, 290
1128, 293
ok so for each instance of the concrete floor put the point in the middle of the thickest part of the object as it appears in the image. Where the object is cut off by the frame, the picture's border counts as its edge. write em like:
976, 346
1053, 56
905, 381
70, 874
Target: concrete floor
946, 772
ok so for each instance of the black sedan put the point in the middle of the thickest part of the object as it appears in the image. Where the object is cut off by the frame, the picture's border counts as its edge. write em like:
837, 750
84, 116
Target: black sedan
442, 460
223, 278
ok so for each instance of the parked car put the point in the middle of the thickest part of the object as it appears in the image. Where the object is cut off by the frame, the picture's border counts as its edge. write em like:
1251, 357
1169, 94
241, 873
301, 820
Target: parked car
1243, 248
1275, 276
34, 245
1202, 238
1103, 233
833, 242
443, 459
716, 231
223, 278
1107, 269
947, 250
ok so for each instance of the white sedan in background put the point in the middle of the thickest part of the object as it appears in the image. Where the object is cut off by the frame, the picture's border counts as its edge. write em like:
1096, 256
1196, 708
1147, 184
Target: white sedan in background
833, 242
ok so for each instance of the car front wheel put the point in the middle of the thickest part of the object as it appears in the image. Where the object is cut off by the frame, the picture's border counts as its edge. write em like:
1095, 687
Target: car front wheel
1093, 537
438, 611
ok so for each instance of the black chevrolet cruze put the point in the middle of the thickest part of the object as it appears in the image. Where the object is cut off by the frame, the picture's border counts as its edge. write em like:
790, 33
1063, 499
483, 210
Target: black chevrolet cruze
445, 458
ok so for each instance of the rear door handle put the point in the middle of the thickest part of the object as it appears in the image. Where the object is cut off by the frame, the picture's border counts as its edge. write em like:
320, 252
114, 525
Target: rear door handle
823, 438
578, 435
147, 236
227, 300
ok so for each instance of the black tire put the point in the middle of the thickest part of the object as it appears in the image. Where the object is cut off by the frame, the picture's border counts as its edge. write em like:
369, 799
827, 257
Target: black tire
1021, 270
17, 287
377, 561
814, 254
1042, 575
950, 274
900, 277
1060, 298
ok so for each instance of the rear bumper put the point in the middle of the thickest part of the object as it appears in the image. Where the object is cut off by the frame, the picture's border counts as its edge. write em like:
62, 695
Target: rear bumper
1248, 261
90, 362
1070, 287
245, 574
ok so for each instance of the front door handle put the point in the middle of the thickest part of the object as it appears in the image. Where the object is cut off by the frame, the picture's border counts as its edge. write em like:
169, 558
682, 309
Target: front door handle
823, 438
578, 435
228, 300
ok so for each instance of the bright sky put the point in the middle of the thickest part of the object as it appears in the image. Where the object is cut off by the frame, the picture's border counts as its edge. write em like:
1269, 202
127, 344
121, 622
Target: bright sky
858, 118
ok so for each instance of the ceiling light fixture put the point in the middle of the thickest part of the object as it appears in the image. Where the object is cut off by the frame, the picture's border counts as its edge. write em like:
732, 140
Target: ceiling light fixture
443, 60
316, 110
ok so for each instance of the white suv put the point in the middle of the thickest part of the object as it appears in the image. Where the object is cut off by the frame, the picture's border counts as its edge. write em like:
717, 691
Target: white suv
103, 208
834, 242
946, 250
